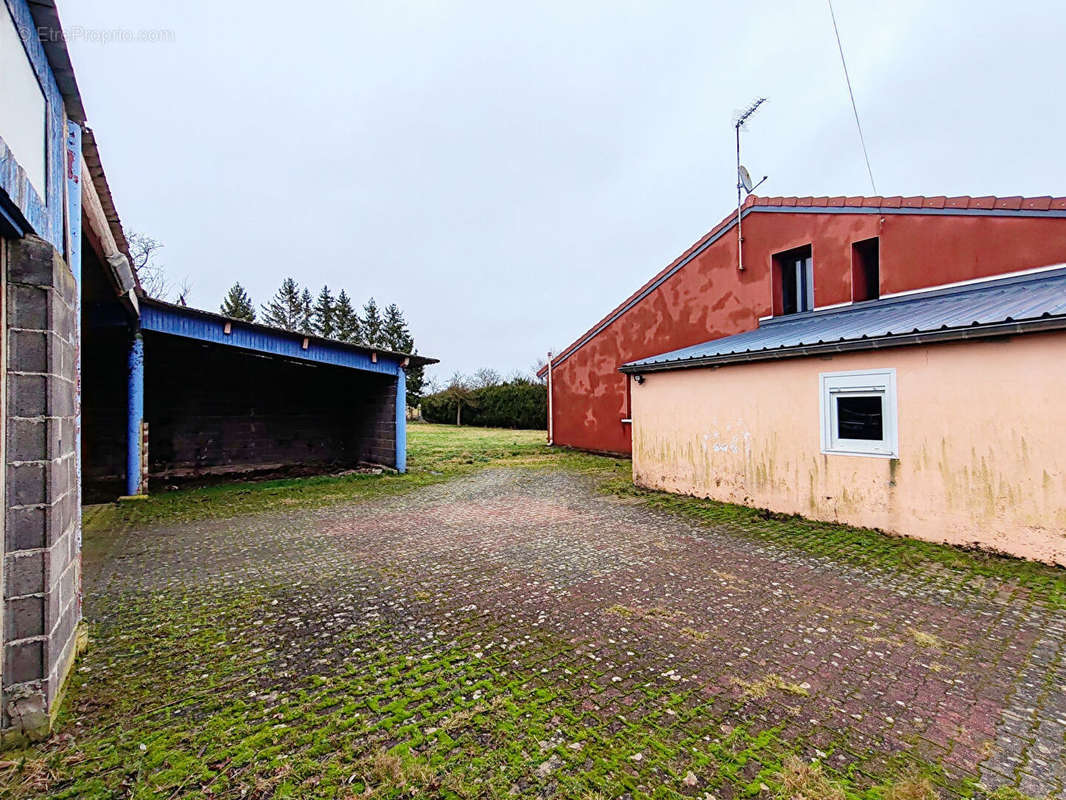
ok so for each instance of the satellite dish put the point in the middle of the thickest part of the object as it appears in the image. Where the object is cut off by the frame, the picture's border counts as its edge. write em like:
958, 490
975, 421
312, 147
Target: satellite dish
744, 178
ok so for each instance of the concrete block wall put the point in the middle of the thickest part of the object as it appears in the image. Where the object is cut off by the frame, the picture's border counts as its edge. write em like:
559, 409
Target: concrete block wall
243, 410
103, 412
42, 544
376, 426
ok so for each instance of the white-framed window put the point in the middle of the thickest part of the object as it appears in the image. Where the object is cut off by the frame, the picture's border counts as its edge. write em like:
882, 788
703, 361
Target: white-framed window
859, 413
794, 276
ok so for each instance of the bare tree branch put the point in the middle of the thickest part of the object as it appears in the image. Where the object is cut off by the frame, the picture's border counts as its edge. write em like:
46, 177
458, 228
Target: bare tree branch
150, 273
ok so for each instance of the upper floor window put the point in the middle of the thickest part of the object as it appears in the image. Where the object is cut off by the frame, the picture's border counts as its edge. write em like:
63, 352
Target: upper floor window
865, 270
794, 281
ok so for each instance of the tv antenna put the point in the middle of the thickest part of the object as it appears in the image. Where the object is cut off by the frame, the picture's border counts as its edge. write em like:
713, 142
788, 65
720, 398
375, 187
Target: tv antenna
744, 184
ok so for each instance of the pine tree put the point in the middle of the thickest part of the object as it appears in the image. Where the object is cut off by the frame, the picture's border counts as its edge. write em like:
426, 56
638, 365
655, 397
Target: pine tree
395, 335
371, 324
323, 315
307, 312
416, 381
345, 321
394, 332
237, 304
286, 308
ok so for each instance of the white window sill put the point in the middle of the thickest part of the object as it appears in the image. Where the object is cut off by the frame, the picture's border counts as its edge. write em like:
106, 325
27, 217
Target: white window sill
854, 453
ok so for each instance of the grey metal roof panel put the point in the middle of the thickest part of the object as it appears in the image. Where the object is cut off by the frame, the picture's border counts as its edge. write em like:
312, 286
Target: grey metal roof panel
969, 308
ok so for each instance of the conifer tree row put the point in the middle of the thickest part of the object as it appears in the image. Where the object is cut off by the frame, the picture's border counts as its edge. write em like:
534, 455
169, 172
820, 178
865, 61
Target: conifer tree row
330, 316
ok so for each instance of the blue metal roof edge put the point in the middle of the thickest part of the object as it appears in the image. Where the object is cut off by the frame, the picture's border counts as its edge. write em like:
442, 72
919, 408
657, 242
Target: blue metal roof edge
1006, 327
205, 326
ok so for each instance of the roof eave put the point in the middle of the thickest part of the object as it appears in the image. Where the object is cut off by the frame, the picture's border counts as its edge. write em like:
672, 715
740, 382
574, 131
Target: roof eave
877, 343
413, 359
90, 151
46, 19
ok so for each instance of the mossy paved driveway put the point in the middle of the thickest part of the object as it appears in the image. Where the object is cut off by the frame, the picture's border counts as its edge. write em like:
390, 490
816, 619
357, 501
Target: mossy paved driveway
514, 632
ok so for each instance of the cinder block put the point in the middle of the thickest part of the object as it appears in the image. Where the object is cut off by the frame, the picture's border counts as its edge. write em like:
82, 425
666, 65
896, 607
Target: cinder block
24, 662
62, 437
27, 395
27, 439
60, 517
24, 617
63, 319
60, 356
60, 398
58, 558
31, 260
59, 479
60, 636
27, 307
29, 714
27, 351
26, 484
24, 574
63, 280
26, 528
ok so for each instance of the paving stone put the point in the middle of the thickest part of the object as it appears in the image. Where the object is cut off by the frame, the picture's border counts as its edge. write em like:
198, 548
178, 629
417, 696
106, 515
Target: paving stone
875, 667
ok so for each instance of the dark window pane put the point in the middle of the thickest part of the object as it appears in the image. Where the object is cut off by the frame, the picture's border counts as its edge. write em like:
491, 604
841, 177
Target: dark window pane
859, 418
793, 276
789, 293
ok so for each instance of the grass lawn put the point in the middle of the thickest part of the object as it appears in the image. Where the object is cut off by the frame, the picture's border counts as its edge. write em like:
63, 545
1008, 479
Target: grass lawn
191, 691
435, 453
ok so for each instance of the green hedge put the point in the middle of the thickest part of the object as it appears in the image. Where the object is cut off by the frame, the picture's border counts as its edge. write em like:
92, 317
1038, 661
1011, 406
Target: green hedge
518, 404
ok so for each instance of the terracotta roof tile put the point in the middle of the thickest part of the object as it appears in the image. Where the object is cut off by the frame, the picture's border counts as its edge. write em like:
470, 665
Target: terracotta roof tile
1037, 203
987, 202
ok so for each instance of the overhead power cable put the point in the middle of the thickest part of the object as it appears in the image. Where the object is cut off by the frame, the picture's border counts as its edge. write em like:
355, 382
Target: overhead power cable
851, 94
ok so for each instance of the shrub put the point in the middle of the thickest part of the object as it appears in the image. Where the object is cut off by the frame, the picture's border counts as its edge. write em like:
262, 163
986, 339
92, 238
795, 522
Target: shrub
519, 403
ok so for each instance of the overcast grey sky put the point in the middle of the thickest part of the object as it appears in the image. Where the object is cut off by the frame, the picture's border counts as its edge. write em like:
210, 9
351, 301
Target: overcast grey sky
508, 172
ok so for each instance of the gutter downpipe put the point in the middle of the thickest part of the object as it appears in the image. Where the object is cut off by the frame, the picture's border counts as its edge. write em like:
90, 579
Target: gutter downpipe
551, 426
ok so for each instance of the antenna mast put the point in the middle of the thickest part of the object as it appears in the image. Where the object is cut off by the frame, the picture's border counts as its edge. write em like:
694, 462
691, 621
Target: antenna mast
740, 120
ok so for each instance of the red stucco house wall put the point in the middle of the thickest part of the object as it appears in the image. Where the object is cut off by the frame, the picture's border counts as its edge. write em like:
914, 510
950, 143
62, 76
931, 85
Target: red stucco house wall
923, 242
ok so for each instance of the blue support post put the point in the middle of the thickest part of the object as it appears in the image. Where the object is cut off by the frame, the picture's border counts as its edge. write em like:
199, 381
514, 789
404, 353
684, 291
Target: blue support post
73, 195
135, 414
73, 242
401, 420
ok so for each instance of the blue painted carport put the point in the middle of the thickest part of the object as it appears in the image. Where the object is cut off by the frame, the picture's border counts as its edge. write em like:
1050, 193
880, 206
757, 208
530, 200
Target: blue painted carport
224, 394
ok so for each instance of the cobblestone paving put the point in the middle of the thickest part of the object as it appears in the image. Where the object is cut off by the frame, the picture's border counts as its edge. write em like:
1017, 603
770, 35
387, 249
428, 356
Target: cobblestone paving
613, 607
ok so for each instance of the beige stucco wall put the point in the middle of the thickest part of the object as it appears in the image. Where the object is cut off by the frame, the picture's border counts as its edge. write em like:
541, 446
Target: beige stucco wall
982, 442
